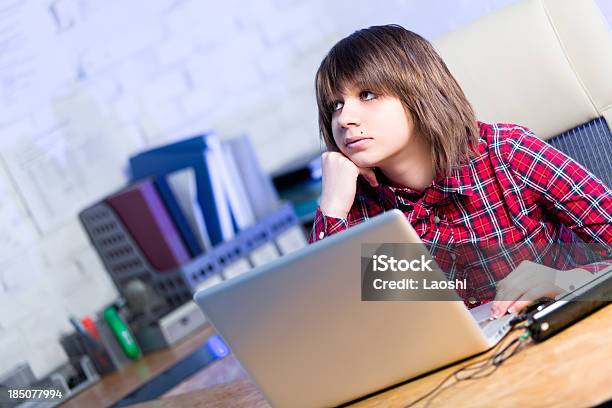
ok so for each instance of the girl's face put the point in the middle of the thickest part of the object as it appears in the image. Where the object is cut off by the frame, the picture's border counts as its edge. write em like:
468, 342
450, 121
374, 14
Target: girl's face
370, 129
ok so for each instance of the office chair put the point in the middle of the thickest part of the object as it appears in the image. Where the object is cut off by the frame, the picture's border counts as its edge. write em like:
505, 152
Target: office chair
544, 64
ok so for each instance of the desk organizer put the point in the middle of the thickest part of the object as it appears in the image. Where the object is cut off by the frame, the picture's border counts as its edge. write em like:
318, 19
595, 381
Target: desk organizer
126, 263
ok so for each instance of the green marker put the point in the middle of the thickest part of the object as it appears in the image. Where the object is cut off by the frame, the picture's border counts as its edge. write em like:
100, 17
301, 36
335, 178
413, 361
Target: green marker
122, 333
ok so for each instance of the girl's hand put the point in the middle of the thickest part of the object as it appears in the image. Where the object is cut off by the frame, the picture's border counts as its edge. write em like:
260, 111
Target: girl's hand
528, 282
340, 183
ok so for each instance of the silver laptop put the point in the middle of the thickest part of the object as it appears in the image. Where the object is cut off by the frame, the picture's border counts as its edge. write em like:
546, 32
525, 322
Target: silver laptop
299, 327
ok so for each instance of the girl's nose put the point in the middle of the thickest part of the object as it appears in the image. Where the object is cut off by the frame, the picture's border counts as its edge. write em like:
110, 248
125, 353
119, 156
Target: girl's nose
349, 114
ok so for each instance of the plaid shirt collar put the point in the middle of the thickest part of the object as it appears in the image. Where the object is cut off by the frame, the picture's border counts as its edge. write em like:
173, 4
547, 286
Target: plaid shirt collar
460, 181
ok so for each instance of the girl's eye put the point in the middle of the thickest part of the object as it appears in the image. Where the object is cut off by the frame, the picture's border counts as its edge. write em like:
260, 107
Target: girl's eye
364, 95
367, 95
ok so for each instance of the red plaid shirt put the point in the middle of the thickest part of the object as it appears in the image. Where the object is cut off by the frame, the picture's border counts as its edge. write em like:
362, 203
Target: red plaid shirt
519, 199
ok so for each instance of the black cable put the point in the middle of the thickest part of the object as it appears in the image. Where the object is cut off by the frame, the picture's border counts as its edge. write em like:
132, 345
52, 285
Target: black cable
483, 360
492, 362
488, 364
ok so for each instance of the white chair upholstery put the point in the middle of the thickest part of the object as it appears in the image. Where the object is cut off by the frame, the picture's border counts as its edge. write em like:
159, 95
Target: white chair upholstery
544, 64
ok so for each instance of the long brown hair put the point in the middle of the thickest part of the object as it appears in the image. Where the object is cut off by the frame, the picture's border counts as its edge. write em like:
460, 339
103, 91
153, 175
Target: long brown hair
390, 60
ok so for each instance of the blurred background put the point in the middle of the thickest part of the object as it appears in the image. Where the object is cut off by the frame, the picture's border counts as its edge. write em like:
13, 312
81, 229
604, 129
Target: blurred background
86, 84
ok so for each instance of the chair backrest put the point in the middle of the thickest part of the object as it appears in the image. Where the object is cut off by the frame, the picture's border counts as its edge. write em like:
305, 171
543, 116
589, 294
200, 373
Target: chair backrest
544, 64
589, 144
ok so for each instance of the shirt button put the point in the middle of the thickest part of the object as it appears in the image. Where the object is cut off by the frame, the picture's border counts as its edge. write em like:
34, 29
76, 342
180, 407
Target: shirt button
437, 219
472, 300
321, 235
453, 257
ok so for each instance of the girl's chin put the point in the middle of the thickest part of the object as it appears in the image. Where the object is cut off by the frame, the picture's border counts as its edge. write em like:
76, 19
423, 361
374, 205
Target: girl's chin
363, 161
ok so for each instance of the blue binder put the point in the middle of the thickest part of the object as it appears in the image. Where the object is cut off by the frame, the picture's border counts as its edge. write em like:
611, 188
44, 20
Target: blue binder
192, 152
167, 196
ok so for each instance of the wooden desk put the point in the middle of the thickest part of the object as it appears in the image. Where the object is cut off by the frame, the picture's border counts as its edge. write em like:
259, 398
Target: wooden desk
570, 369
114, 386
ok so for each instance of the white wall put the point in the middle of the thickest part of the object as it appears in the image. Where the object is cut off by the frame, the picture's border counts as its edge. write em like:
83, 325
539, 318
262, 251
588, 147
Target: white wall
85, 83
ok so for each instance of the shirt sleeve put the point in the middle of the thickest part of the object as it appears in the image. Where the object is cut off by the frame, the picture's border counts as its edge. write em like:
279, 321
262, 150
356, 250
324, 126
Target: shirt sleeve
565, 190
324, 226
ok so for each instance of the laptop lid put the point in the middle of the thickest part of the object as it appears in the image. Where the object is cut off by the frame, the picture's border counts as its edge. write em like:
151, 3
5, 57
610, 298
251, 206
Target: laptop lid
299, 327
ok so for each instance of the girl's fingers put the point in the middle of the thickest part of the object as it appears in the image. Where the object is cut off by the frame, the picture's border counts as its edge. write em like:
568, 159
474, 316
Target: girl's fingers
503, 301
519, 304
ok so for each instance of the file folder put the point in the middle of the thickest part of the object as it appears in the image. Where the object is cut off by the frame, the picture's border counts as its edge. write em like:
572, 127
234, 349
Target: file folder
142, 212
192, 153
178, 216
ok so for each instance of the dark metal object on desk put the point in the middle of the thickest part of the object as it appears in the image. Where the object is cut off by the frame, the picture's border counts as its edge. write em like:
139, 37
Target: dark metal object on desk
572, 307
78, 344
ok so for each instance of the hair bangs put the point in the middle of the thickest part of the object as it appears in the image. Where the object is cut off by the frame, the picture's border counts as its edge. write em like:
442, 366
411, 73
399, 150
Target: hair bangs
344, 69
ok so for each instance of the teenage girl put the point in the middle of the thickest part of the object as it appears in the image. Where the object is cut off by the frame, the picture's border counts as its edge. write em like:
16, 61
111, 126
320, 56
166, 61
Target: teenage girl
400, 133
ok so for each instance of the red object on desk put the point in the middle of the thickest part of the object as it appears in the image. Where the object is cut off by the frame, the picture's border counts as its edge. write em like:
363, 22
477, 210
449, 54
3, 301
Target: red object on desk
90, 326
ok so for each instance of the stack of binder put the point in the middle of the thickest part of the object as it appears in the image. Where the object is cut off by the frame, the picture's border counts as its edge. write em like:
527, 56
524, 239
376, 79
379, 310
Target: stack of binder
197, 211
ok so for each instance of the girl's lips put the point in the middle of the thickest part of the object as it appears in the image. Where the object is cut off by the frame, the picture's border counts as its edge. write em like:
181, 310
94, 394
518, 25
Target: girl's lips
358, 143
